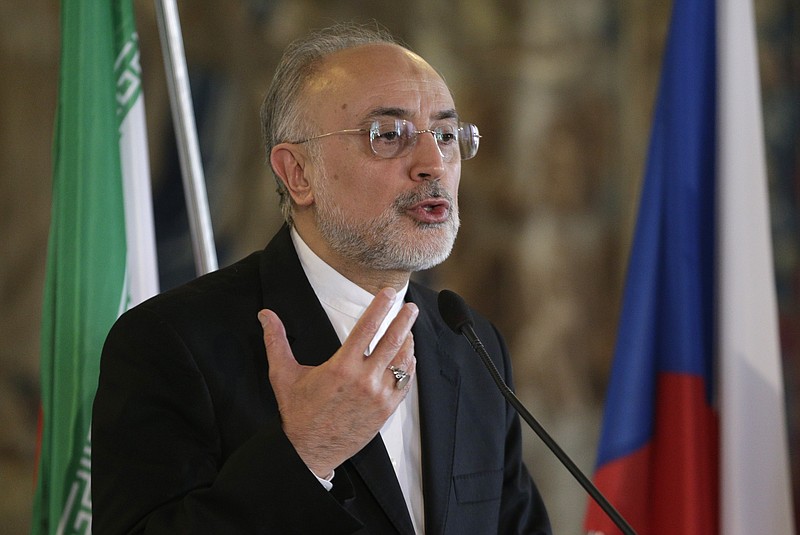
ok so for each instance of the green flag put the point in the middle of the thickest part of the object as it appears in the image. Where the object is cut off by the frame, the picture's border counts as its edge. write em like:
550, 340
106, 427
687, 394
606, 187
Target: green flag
101, 253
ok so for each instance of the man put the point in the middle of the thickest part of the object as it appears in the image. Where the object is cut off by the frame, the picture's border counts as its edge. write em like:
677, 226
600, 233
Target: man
366, 415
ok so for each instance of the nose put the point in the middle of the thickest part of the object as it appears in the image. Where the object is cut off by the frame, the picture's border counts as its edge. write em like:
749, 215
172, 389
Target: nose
427, 159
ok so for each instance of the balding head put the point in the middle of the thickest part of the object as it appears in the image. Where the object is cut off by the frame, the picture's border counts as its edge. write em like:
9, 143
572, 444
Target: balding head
282, 114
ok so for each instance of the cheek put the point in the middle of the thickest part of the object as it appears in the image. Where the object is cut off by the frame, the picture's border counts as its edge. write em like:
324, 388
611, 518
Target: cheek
451, 183
364, 176
360, 187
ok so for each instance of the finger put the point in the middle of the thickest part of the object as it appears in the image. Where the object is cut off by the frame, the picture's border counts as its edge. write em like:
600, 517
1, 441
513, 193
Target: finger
367, 326
405, 358
405, 363
397, 334
279, 354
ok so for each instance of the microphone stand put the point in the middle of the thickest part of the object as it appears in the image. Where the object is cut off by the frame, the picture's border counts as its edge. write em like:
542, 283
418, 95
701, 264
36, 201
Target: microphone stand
605, 505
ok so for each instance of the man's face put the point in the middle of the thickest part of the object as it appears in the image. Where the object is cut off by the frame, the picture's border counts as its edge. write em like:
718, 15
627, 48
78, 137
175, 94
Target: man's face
384, 214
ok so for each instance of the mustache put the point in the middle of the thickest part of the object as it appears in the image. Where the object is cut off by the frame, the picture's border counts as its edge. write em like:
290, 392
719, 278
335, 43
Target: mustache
428, 190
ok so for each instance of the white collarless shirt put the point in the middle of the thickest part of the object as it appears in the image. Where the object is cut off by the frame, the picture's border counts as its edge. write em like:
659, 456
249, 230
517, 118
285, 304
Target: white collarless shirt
344, 302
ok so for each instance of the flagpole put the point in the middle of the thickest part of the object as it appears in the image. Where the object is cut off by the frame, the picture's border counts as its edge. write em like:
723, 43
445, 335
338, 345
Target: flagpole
169, 27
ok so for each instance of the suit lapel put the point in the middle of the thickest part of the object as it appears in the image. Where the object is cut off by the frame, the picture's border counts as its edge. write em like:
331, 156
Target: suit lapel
375, 469
287, 292
438, 382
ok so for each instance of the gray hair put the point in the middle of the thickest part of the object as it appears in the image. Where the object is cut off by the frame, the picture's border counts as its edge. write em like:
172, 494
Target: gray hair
282, 115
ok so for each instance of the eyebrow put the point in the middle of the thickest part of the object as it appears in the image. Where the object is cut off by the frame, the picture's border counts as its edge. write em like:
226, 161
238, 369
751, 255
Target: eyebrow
402, 113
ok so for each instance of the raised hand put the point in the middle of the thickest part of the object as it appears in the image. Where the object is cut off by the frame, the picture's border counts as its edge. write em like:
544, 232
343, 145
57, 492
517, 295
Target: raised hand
330, 412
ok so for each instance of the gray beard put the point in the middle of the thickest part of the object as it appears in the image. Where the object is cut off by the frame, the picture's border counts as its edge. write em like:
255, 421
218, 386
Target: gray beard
381, 243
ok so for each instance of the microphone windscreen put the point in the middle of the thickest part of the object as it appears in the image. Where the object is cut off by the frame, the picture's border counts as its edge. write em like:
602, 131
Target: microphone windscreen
454, 310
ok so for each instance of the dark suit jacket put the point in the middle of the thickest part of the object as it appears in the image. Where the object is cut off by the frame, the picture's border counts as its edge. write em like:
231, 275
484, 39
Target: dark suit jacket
187, 437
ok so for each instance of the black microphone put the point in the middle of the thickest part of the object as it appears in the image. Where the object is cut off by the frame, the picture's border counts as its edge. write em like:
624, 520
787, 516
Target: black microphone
456, 315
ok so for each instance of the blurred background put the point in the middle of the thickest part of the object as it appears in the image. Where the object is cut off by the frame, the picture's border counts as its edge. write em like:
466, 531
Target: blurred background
563, 92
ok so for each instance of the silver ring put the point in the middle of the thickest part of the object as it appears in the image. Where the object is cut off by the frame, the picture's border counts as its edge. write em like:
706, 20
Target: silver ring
401, 377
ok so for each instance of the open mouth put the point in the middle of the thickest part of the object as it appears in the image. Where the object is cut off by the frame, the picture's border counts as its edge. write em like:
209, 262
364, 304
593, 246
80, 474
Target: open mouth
433, 210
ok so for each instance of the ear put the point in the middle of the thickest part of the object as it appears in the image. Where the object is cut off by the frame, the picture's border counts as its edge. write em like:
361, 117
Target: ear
289, 163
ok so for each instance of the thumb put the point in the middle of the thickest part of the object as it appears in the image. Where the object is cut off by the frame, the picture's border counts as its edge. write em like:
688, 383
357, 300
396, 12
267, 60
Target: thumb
279, 354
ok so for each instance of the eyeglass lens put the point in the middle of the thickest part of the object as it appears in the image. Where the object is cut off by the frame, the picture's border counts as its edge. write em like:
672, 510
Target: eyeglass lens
394, 138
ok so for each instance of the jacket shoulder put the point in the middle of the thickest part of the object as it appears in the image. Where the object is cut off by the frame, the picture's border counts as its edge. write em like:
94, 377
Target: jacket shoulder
228, 293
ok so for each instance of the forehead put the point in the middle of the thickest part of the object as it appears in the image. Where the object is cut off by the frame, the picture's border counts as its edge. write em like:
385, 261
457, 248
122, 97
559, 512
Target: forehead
357, 83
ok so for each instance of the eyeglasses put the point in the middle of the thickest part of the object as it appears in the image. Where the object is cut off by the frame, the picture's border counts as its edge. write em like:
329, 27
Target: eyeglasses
394, 138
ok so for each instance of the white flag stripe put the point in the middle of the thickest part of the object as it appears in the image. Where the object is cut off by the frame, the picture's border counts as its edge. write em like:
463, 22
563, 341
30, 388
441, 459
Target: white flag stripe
754, 489
142, 269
